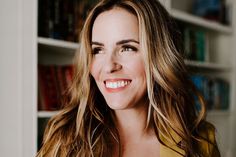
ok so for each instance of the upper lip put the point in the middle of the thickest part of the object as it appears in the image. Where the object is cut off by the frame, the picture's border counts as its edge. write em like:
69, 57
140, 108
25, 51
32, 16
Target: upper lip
117, 79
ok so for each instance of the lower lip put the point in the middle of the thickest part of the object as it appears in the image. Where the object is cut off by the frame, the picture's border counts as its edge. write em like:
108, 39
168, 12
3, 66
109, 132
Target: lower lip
113, 90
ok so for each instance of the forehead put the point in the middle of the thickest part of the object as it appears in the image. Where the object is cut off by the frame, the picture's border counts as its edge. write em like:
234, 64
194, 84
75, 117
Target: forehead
115, 23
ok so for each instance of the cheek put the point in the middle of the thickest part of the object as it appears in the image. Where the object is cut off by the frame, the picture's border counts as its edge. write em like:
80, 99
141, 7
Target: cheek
95, 69
141, 69
138, 67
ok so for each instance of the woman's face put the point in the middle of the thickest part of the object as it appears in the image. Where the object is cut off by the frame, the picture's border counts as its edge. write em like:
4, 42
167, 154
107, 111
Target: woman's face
117, 65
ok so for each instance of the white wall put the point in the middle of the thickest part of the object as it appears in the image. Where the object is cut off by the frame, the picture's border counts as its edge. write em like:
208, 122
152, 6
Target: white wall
10, 82
17, 49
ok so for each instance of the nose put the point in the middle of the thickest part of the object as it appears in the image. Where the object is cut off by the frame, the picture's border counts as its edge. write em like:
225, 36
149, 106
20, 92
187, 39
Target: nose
112, 64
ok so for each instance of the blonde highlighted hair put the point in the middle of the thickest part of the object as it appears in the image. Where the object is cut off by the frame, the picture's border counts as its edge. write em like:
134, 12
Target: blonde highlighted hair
85, 126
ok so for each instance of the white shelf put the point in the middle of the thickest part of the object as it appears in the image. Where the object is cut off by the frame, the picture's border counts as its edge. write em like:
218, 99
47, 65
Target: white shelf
218, 113
195, 20
207, 65
57, 43
46, 114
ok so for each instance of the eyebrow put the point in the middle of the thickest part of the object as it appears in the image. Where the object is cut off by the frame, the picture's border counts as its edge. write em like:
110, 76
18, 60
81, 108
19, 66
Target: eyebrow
126, 41
118, 43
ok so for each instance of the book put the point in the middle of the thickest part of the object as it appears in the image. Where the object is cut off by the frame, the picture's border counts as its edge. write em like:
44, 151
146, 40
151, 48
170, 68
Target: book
214, 90
47, 88
45, 18
200, 83
53, 81
215, 10
58, 24
62, 20
195, 44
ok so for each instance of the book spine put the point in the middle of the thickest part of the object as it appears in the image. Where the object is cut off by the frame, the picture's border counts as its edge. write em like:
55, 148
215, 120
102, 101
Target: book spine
214, 90
48, 88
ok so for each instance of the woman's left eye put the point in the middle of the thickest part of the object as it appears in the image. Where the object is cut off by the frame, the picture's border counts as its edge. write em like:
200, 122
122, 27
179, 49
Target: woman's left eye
128, 48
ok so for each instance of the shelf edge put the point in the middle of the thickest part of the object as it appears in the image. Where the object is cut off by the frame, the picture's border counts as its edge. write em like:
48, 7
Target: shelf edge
193, 19
207, 65
218, 113
46, 114
57, 43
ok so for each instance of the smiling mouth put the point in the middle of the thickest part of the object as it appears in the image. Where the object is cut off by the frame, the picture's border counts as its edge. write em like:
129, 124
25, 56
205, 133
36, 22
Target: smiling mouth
116, 84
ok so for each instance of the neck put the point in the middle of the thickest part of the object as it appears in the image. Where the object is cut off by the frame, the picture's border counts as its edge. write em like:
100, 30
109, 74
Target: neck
132, 124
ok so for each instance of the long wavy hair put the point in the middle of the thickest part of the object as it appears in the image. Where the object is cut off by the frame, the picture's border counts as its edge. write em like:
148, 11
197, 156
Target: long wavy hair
85, 127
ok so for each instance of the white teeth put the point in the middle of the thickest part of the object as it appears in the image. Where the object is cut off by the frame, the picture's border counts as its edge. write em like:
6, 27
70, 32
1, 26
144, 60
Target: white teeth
117, 84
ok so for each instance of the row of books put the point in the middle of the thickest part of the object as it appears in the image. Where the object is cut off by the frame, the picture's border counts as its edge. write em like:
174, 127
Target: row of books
53, 80
216, 10
215, 91
195, 44
62, 20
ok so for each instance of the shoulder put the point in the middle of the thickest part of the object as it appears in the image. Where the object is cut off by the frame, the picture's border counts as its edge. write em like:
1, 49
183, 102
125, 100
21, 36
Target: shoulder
207, 142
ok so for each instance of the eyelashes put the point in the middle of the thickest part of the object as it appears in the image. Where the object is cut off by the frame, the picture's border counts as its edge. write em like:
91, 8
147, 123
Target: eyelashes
122, 49
97, 50
129, 48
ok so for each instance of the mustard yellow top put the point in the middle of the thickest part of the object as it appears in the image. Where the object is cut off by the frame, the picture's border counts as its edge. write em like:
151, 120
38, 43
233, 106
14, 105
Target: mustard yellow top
208, 149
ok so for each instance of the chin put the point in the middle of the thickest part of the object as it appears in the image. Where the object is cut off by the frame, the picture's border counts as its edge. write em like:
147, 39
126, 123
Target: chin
117, 106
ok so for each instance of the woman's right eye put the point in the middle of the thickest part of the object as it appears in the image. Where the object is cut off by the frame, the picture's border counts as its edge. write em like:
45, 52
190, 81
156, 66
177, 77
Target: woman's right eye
97, 51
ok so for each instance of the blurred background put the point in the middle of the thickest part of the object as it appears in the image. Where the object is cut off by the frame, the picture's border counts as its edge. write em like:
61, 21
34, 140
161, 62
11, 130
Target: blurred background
38, 39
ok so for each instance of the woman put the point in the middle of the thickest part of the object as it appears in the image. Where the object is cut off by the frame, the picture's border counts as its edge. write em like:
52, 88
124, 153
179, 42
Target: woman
131, 95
